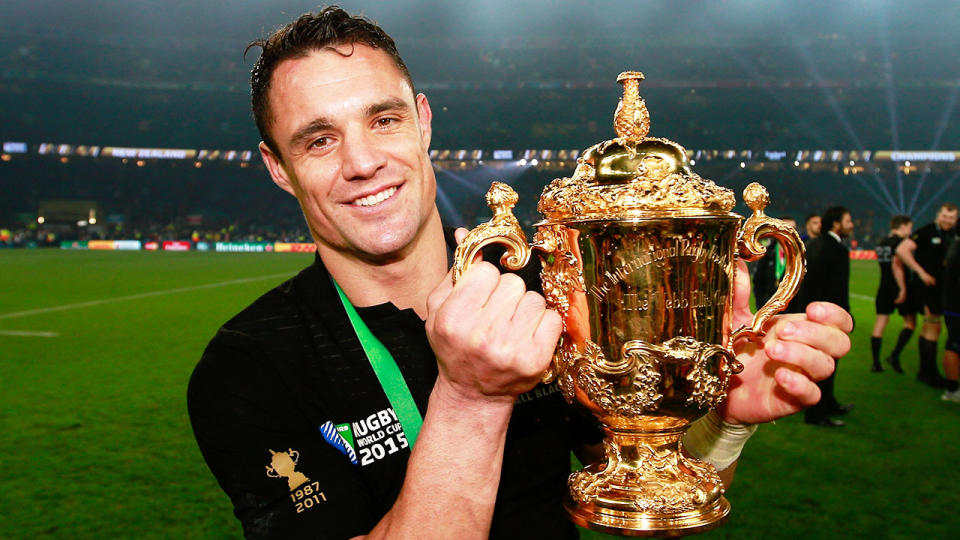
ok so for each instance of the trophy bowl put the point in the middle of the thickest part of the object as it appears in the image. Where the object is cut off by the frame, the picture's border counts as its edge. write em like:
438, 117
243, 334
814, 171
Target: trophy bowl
638, 257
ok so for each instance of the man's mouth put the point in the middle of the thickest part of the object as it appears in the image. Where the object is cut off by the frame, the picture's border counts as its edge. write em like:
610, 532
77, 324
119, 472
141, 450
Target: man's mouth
376, 198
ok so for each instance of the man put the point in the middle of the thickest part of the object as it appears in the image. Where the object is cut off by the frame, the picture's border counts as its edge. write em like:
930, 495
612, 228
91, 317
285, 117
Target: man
770, 270
828, 280
295, 405
892, 292
951, 316
811, 227
923, 253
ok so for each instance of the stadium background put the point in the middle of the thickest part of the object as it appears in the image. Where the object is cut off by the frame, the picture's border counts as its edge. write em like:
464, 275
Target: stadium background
135, 114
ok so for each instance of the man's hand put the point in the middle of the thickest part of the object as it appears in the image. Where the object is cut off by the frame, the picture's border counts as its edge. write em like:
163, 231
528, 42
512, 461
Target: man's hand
780, 373
901, 296
927, 279
493, 338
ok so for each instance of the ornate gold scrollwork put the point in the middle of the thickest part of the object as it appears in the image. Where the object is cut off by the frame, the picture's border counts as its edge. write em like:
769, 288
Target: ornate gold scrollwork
658, 481
503, 228
758, 226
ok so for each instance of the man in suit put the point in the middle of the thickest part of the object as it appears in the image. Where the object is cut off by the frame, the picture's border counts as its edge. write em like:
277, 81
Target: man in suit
828, 278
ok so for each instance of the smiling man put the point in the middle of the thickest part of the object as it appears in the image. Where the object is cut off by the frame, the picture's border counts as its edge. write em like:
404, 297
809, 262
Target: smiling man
368, 396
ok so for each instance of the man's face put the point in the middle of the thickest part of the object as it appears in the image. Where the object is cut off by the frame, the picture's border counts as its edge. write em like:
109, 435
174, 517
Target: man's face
813, 226
946, 219
353, 143
904, 230
846, 225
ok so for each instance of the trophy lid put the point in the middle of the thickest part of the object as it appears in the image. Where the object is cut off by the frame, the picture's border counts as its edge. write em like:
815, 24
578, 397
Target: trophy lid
633, 175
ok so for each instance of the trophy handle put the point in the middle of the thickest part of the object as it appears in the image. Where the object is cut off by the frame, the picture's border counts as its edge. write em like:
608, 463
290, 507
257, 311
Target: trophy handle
503, 228
758, 226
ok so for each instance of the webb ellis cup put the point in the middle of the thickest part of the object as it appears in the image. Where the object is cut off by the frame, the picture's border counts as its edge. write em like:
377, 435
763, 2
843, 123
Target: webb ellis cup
639, 255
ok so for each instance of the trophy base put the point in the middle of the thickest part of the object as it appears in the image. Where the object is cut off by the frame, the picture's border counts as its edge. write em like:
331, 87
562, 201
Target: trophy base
646, 524
646, 487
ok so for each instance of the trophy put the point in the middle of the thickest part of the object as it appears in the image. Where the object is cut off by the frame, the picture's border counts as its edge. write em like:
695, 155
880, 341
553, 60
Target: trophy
638, 255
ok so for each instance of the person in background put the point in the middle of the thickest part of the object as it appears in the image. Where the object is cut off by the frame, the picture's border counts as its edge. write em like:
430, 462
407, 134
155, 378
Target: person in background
811, 227
951, 318
923, 252
893, 291
828, 280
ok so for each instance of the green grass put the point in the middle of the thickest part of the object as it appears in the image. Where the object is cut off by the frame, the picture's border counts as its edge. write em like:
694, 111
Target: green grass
95, 440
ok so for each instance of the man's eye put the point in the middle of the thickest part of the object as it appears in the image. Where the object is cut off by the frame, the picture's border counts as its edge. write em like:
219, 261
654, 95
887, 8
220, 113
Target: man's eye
384, 122
319, 143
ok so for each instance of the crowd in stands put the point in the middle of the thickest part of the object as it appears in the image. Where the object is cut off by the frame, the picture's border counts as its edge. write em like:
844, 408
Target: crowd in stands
826, 91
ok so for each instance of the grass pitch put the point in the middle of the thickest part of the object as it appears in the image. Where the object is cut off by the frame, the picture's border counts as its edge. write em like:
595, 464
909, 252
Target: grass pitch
96, 349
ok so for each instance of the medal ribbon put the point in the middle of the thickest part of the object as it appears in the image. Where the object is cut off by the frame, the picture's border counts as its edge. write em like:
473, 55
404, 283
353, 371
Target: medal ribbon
385, 367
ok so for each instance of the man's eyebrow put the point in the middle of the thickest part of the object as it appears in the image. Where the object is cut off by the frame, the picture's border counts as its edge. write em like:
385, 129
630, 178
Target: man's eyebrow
387, 105
306, 131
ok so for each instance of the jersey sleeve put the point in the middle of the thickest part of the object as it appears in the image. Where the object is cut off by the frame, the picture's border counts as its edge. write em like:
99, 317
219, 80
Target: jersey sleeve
283, 476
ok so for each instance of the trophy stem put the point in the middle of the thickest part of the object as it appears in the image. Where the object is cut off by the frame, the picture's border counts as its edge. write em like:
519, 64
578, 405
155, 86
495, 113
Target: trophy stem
647, 487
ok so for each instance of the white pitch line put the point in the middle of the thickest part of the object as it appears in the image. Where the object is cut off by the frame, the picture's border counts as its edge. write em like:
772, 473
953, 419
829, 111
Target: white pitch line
39, 311
27, 333
861, 297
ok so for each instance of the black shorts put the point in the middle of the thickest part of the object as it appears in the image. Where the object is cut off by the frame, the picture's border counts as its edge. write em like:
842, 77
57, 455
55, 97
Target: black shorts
931, 297
953, 333
885, 297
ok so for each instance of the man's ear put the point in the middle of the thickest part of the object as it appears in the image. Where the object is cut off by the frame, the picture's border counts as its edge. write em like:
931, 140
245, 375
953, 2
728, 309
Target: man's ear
424, 118
275, 166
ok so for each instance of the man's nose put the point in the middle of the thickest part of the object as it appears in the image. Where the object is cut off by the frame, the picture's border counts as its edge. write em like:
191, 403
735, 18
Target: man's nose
361, 155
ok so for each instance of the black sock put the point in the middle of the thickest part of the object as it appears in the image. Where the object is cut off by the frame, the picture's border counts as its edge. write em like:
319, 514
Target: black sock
902, 340
875, 343
928, 357
952, 386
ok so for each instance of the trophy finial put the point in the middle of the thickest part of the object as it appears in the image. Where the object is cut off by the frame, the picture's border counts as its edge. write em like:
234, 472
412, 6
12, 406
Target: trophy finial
756, 197
631, 121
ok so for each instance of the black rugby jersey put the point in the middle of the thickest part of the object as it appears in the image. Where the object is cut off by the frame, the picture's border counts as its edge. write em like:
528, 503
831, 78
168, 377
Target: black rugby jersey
886, 251
293, 423
951, 280
932, 245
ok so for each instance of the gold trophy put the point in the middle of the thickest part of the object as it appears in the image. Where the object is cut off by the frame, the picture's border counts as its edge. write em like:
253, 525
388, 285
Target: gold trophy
639, 255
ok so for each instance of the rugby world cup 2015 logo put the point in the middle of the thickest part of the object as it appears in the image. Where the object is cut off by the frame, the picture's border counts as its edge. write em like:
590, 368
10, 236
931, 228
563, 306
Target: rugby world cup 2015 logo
340, 436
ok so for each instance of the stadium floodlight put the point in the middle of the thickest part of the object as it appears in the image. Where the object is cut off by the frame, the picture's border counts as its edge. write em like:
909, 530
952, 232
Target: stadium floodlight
534, 162
693, 162
906, 163
522, 162
743, 165
40, 219
852, 163
93, 221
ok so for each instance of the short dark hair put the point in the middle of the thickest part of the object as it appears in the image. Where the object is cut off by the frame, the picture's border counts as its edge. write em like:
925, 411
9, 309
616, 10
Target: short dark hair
329, 28
811, 216
899, 221
948, 206
832, 215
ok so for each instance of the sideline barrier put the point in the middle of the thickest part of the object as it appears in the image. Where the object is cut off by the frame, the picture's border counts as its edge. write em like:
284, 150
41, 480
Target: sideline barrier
74, 244
295, 247
186, 245
106, 245
863, 254
243, 247
176, 245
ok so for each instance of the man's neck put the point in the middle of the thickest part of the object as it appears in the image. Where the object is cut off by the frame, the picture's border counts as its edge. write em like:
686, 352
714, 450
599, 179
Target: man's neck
405, 280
